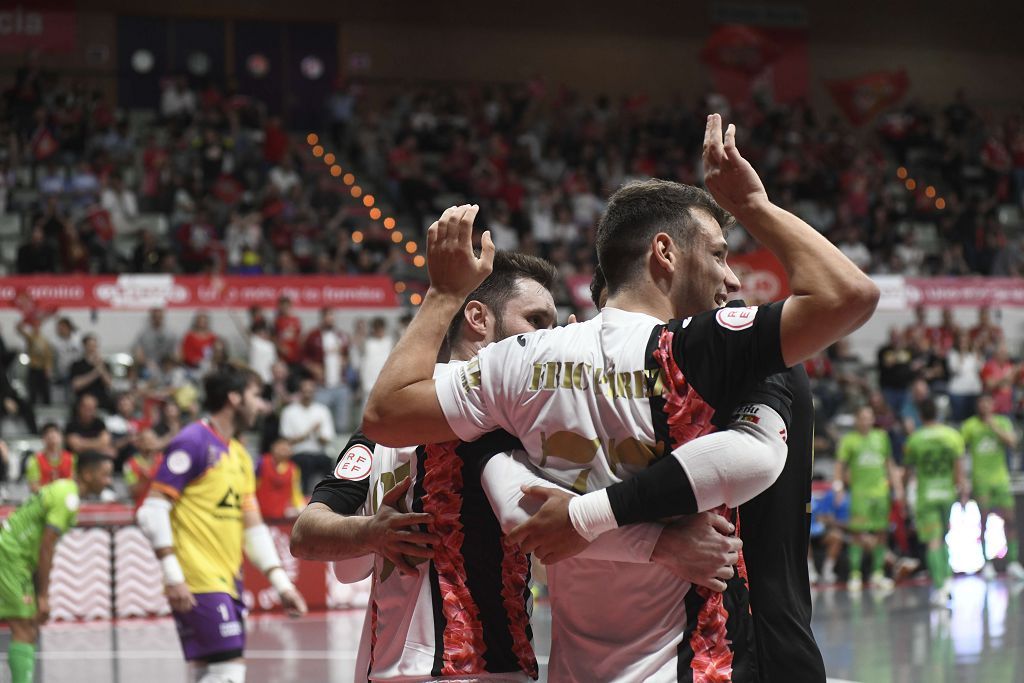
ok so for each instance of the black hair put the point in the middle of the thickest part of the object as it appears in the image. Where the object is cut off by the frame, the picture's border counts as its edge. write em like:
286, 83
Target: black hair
598, 285
88, 460
48, 426
636, 213
503, 284
928, 410
223, 381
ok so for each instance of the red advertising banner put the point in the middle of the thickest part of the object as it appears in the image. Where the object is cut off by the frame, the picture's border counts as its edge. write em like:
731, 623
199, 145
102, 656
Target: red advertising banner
134, 292
47, 25
900, 293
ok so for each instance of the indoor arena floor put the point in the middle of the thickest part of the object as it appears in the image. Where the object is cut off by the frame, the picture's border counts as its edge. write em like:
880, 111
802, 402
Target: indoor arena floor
895, 638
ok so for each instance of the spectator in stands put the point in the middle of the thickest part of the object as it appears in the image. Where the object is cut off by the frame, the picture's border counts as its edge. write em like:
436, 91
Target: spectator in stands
86, 430
288, 333
177, 102
36, 255
141, 468
910, 414
325, 356
51, 463
12, 404
169, 425
67, 348
894, 370
153, 343
278, 483
197, 341
262, 350
309, 428
124, 426
121, 204
998, 376
926, 363
965, 385
40, 362
986, 335
90, 375
148, 255
374, 351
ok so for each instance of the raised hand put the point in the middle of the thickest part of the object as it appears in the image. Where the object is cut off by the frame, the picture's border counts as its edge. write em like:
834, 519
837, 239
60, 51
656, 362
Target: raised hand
453, 267
549, 533
730, 178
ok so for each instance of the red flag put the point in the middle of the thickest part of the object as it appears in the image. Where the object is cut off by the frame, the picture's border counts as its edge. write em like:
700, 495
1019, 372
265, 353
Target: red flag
740, 48
862, 98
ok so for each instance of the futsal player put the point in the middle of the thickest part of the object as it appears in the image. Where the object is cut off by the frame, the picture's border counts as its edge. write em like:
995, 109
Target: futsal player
987, 435
200, 512
636, 388
865, 467
934, 454
28, 540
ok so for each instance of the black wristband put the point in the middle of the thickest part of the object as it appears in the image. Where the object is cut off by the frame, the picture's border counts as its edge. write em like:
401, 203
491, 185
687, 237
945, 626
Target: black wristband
662, 490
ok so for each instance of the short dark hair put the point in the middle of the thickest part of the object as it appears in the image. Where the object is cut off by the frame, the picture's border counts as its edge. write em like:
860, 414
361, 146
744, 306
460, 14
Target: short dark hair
598, 285
636, 213
502, 284
223, 381
928, 409
48, 426
88, 460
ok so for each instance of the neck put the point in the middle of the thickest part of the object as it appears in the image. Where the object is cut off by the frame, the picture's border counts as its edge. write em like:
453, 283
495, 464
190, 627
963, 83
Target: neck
647, 298
224, 423
465, 349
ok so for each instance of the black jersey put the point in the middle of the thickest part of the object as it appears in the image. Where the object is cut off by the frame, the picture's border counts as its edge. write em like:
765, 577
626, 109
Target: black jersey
774, 528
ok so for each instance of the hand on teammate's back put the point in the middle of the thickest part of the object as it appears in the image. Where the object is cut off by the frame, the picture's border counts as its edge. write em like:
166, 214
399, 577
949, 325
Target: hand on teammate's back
549, 533
453, 266
730, 178
391, 537
699, 549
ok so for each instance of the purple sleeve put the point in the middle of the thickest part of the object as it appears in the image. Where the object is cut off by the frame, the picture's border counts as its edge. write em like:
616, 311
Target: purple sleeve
185, 458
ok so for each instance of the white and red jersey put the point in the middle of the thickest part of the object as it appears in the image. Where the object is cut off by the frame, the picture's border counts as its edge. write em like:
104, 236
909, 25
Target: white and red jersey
466, 614
595, 403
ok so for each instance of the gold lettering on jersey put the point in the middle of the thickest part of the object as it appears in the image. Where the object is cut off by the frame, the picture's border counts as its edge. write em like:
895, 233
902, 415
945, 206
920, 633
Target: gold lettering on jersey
633, 384
471, 375
568, 446
633, 454
580, 485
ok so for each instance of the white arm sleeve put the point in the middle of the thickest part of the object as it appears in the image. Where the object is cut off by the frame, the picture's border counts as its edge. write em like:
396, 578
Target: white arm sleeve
502, 478
736, 464
154, 519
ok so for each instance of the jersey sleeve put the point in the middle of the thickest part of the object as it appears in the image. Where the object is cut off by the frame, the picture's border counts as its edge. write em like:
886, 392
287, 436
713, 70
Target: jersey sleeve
345, 490
186, 459
725, 353
477, 397
61, 505
956, 443
32, 472
844, 452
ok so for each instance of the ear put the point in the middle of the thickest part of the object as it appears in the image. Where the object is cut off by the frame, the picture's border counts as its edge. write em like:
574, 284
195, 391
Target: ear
477, 318
663, 252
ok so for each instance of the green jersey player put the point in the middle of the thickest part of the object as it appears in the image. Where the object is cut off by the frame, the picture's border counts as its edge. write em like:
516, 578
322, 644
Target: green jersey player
865, 467
28, 539
935, 455
987, 436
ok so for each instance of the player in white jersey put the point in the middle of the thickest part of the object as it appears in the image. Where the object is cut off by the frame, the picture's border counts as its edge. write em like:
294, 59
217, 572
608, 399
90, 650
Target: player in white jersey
485, 597
633, 387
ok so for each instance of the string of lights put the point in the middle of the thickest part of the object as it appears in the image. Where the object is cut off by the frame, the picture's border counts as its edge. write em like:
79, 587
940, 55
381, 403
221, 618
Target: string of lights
369, 201
911, 185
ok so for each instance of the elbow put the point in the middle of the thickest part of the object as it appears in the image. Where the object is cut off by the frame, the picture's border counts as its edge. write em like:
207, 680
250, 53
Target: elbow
859, 298
373, 425
298, 544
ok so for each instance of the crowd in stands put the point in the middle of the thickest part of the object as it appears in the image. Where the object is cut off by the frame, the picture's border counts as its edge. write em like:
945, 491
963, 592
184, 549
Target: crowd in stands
316, 381
238, 194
